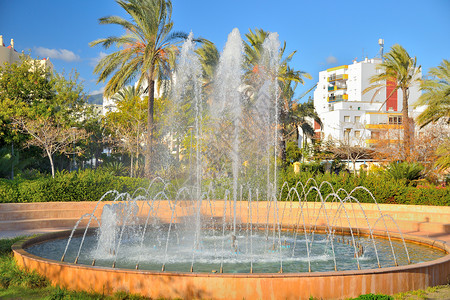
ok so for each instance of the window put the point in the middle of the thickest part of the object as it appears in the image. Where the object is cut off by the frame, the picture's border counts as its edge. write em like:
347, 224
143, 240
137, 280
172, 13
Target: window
346, 118
347, 133
357, 133
395, 120
357, 119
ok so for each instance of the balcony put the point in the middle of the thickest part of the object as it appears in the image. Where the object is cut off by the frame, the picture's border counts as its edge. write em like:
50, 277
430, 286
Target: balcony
377, 141
335, 77
383, 126
379, 121
337, 87
337, 98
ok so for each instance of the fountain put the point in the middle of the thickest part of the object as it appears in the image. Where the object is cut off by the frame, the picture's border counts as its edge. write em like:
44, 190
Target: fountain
228, 232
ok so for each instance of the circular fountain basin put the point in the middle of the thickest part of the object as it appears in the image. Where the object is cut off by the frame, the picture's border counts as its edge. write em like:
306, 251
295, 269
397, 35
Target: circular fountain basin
207, 282
260, 251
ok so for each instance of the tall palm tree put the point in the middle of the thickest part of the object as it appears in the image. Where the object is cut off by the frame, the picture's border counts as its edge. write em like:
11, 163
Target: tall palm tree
287, 78
436, 95
401, 70
253, 49
209, 60
146, 52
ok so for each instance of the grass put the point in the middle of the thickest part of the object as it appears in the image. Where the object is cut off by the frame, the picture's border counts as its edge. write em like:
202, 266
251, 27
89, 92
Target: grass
435, 292
18, 284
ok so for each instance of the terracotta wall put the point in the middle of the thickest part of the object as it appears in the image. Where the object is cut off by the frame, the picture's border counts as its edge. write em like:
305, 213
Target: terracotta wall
326, 285
246, 286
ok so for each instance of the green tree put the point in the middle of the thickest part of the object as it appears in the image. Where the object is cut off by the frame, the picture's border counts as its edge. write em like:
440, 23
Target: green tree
436, 95
49, 135
128, 122
30, 93
401, 70
25, 87
92, 147
146, 51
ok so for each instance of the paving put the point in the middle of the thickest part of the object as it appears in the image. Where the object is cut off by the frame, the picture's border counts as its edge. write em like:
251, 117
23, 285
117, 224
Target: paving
7, 234
25, 219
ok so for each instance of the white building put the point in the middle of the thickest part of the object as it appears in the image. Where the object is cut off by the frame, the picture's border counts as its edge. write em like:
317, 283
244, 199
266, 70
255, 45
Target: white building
10, 55
349, 115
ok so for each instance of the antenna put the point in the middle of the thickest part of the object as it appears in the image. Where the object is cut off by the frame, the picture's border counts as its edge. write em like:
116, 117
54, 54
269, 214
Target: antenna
381, 43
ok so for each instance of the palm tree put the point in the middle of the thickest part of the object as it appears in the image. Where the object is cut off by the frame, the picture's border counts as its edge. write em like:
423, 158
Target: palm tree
146, 52
400, 70
253, 49
443, 153
436, 95
300, 114
209, 59
287, 78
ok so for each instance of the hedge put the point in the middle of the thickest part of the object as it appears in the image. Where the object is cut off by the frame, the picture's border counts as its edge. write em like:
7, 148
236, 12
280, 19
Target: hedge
86, 185
383, 189
89, 185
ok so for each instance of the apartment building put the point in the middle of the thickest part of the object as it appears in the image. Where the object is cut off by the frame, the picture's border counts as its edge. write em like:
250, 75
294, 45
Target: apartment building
353, 117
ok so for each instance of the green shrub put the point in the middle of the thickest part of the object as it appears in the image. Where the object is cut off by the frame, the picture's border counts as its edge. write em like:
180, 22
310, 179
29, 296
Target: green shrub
404, 171
116, 168
90, 185
86, 185
9, 191
379, 187
374, 297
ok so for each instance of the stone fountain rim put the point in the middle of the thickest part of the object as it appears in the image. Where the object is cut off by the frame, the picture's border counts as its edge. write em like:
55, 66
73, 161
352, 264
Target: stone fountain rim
20, 246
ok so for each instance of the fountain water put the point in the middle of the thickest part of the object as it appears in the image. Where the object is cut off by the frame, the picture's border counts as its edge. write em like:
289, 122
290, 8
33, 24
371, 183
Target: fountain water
191, 227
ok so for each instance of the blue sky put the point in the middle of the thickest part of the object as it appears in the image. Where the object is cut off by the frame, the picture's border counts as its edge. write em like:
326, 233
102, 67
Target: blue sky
324, 33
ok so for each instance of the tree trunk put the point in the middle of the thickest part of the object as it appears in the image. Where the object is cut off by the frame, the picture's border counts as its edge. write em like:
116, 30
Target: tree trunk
150, 125
406, 126
137, 163
131, 164
137, 150
283, 151
51, 164
12, 161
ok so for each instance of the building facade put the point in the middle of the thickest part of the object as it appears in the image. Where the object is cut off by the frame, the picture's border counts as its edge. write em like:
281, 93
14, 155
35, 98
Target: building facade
355, 118
9, 55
